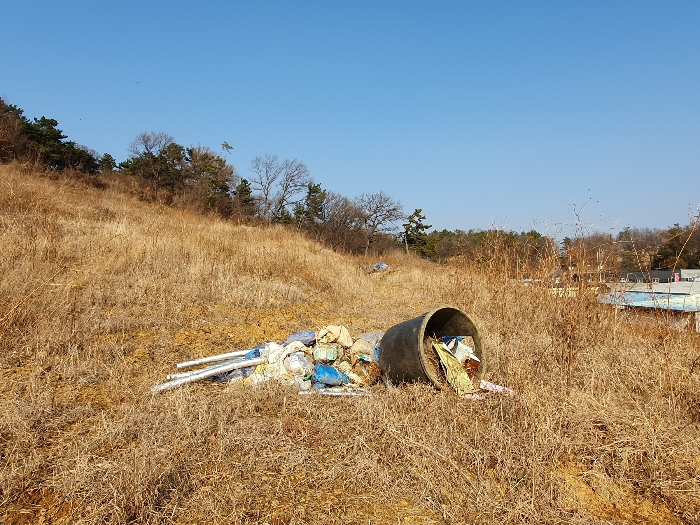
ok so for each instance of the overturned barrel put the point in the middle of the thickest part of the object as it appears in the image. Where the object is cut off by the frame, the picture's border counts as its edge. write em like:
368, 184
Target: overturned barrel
407, 355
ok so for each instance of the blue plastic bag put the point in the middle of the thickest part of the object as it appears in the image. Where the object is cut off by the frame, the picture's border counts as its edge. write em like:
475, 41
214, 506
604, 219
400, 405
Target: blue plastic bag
329, 376
447, 339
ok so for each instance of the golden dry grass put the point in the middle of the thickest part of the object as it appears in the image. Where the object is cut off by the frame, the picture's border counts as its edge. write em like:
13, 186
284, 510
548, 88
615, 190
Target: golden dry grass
100, 295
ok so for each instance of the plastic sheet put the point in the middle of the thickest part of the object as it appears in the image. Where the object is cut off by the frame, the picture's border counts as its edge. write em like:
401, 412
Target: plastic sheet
307, 337
327, 375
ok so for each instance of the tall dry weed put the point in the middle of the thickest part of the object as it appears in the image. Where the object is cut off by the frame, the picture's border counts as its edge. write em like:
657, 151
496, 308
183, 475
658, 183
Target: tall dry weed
101, 294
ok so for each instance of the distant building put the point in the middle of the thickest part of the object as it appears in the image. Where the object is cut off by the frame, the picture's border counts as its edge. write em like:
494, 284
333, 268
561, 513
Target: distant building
690, 275
652, 276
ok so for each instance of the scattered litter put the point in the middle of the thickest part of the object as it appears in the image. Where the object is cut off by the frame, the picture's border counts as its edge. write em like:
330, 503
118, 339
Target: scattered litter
362, 347
488, 387
226, 366
497, 389
337, 391
238, 373
298, 364
356, 378
370, 371
296, 346
474, 397
213, 359
327, 353
274, 368
372, 337
376, 267
330, 362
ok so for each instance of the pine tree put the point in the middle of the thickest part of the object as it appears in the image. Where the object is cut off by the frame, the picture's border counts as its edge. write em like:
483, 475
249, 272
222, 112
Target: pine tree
415, 235
310, 211
243, 201
107, 163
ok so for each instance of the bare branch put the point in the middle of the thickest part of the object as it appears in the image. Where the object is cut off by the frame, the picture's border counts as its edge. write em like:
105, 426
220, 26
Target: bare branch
295, 179
380, 213
278, 183
266, 171
152, 143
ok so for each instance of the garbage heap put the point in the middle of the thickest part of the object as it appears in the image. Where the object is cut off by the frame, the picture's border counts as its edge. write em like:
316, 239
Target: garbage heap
331, 362
328, 360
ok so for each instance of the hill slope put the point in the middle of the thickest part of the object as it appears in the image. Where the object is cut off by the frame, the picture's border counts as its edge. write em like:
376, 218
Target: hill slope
100, 295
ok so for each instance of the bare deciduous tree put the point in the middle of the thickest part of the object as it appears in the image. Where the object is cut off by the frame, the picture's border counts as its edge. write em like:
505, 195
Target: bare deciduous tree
266, 171
278, 183
380, 212
13, 138
342, 222
152, 143
295, 179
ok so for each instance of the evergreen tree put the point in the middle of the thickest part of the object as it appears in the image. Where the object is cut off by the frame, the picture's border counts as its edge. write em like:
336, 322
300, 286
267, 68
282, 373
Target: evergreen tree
671, 254
284, 217
107, 163
212, 178
40, 140
157, 158
310, 211
243, 201
416, 237
46, 141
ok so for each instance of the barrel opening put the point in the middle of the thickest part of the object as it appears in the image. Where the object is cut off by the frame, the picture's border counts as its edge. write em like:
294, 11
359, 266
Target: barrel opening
407, 352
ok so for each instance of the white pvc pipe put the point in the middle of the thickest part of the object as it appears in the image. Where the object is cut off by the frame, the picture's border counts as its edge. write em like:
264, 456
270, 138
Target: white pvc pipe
208, 372
178, 375
216, 367
213, 358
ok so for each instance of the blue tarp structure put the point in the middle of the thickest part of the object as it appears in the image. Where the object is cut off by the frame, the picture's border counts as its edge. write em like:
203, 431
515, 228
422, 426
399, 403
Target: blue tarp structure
679, 297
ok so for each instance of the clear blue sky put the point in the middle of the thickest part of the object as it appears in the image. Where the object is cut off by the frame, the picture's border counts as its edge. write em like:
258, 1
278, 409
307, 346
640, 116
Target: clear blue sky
481, 113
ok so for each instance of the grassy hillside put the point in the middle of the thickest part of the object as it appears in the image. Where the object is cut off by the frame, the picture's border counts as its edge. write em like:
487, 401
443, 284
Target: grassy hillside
100, 295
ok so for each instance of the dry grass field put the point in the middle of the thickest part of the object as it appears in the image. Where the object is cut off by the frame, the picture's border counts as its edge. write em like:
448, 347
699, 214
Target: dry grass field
100, 295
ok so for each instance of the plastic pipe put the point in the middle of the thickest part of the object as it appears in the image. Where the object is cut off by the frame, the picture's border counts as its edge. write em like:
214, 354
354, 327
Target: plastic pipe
213, 358
208, 372
179, 375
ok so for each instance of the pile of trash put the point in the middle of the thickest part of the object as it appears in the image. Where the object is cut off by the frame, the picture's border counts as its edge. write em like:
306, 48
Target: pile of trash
377, 267
329, 361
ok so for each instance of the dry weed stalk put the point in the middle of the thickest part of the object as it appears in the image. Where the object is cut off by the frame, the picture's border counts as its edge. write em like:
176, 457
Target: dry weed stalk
604, 427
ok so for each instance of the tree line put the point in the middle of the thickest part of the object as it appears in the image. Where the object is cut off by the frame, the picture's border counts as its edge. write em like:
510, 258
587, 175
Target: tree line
278, 190
633, 250
282, 191
42, 141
